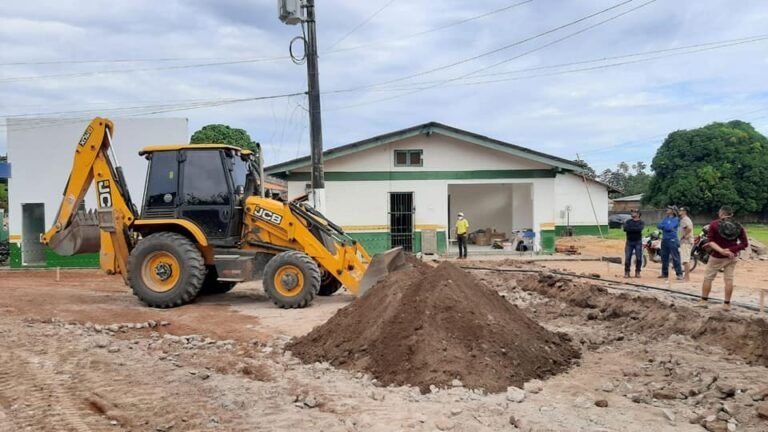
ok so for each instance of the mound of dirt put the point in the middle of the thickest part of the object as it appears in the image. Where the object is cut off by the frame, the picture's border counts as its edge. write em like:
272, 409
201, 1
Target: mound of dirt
429, 326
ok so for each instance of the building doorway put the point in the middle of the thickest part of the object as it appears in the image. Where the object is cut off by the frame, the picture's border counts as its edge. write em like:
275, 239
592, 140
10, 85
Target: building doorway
32, 226
401, 220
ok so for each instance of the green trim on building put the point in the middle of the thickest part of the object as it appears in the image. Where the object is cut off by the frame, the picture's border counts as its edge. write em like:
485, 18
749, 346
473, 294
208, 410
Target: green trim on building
578, 230
52, 259
376, 242
547, 241
426, 175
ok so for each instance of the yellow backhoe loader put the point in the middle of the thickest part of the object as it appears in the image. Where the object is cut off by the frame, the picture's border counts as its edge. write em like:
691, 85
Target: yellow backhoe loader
204, 226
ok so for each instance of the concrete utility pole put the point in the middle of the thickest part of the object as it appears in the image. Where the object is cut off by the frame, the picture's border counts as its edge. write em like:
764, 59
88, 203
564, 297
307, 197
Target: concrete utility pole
315, 123
300, 12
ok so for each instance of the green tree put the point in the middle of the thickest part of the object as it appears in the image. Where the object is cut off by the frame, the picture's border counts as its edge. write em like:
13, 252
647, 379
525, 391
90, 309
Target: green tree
629, 179
705, 168
223, 134
589, 172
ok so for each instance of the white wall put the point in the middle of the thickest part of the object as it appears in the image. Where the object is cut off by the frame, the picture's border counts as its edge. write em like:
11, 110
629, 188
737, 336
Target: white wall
522, 207
570, 190
366, 203
41, 153
440, 153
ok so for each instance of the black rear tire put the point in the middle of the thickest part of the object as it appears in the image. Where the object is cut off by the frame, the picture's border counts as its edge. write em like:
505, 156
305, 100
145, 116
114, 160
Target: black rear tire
212, 286
328, 285
166, 270
694, 262
291, 279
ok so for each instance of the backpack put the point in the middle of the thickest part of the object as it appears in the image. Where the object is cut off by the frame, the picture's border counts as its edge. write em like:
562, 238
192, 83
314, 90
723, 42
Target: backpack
729, 229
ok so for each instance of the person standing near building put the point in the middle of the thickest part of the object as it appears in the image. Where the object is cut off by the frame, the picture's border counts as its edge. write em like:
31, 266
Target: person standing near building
685, 233
726, 239
462, 230
670, 244
634, 245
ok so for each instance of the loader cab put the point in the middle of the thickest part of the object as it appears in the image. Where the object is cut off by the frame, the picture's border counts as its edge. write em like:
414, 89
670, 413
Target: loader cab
204, 184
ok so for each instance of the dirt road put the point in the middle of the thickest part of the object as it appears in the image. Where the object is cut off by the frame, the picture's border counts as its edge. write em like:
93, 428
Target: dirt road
82, 354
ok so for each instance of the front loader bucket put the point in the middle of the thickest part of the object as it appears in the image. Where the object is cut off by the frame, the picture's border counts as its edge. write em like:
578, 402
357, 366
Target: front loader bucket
81, 236
381, 265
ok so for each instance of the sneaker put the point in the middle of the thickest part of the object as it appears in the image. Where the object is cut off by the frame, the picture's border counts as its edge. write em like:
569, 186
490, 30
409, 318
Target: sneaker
626, 275
637, 275
679, 277
702, 303
663, 277
726, 306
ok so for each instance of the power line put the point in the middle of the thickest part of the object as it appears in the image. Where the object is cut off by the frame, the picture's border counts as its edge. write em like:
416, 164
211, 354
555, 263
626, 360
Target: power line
123, 60
496, 50
711, 46
121, 71
446, 81
151, 110
227, 59
432, 30
362, 23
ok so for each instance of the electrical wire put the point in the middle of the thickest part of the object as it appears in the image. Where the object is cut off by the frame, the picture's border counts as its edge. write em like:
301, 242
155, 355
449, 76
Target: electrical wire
428, 31
446, 81
672, 53
337, 50
361, 24
496, 50
146, 110
123, 71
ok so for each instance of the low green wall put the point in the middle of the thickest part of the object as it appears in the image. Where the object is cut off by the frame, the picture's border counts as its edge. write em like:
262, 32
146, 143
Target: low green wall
375, 242
52, 259
560, 230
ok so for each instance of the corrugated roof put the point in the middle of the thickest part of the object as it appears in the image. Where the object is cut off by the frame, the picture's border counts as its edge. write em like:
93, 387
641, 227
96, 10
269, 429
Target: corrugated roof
637, 197
428, 128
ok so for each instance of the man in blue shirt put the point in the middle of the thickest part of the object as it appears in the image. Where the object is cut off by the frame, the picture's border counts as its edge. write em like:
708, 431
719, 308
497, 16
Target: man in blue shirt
670, 244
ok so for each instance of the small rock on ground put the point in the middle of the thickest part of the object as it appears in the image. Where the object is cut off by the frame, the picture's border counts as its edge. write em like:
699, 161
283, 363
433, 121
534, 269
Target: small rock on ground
515, 394
533, 386
762, 411
602, 403
445, 425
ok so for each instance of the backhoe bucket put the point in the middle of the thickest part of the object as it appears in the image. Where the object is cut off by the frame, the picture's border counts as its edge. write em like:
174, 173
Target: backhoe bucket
81, 236
381, 265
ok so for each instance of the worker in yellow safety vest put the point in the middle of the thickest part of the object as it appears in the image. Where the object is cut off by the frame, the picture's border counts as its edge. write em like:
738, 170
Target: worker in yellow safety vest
462, 230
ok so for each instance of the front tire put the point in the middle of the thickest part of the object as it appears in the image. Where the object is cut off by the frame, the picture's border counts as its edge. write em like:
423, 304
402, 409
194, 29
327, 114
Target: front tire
166, 270
291, 279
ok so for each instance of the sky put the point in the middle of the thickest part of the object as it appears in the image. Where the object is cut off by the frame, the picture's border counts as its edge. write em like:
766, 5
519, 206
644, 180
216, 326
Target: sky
537, 73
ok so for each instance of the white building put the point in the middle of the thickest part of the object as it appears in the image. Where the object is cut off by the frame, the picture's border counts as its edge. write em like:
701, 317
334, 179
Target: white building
395, 189
41, 153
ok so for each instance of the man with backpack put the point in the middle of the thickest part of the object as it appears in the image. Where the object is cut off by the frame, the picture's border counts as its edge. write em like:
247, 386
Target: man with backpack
726, 239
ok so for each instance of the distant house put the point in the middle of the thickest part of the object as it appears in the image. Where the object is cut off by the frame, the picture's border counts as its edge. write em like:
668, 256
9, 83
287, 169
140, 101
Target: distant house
627, 203
404, 188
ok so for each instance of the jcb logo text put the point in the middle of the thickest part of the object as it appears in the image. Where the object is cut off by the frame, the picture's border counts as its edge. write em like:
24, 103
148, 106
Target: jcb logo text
105, 194
268, 216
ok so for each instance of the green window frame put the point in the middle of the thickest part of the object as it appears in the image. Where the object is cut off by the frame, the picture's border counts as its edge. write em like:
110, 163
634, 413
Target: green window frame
409, 158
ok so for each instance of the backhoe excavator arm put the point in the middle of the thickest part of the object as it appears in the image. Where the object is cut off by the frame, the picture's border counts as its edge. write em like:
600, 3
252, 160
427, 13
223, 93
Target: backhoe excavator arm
106, 231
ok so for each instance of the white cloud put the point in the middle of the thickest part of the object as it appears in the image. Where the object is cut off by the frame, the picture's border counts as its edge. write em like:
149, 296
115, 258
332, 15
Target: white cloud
631, 104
